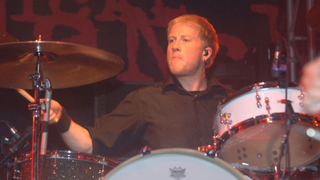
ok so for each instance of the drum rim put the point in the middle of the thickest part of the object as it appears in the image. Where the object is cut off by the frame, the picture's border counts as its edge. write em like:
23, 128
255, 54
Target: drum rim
260, 85
302, 117
180, 151
72, 155
265, 119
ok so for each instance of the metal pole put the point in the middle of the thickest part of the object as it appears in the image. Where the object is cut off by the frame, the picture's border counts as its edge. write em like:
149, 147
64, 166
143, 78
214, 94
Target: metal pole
291, 39
310, 35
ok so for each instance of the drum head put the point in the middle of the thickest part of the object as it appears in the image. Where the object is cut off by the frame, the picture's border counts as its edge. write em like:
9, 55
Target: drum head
255, 143
174, 164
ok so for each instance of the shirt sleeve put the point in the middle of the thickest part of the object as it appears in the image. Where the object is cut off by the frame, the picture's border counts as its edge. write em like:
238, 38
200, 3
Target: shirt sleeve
118, 129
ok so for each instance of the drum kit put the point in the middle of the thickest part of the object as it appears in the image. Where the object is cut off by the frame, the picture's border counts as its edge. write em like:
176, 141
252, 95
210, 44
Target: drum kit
260, 131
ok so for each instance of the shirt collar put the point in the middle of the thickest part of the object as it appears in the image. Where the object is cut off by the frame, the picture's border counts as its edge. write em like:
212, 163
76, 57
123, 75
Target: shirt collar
172, 82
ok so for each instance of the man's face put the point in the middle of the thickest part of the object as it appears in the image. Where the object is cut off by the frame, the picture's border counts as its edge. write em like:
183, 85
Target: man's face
185, 50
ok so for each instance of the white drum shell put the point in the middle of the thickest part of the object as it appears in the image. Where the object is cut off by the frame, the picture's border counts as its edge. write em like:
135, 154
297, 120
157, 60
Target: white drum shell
172, 164
245, 106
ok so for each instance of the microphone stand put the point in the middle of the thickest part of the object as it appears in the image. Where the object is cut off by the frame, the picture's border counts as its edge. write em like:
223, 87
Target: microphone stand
290, 119
45, 125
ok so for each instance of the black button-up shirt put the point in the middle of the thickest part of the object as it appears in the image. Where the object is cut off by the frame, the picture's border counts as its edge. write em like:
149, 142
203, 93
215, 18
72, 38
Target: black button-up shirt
161, 116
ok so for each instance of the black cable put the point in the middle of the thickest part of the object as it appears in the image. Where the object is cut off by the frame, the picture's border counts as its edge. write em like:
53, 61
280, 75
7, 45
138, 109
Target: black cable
3, 137
5, 122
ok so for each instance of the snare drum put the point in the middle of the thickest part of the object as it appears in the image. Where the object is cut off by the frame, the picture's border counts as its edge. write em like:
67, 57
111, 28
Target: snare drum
175, 164
251, 125
66, 165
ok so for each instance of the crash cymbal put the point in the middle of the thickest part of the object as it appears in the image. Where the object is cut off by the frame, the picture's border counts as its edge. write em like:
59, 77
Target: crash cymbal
64, 64
313, 17
6, 38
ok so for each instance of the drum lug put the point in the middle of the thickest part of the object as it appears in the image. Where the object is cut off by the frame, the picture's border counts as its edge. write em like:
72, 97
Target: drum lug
267, 105
101, 172
224, 118
16, 174
54, 164
257, 96
216, 142
301, 97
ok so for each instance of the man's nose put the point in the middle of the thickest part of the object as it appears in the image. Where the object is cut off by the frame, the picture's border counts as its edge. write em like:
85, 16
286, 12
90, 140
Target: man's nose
176, 46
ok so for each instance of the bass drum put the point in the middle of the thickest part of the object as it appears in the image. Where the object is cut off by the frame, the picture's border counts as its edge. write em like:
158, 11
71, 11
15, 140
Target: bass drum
65, 165
176, 163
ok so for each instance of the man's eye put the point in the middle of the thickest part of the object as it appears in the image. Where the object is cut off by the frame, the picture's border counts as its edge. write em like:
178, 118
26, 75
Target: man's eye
171, 40
186, 40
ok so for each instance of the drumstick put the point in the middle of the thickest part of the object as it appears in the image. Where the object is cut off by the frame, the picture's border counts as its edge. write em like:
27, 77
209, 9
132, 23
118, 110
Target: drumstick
25, 94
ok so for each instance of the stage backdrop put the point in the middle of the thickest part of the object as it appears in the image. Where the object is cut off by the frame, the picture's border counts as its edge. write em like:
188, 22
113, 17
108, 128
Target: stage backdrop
135, 30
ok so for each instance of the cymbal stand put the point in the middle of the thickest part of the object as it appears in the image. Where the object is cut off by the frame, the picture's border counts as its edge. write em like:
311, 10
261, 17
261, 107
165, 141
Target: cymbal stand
35, 107
290, 118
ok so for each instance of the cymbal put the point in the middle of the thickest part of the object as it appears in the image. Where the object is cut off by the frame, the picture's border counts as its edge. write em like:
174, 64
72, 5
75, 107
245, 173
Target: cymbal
64, 64
313, 17
6, 38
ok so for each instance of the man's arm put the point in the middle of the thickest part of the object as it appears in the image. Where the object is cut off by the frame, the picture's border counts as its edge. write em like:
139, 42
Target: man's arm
75, 136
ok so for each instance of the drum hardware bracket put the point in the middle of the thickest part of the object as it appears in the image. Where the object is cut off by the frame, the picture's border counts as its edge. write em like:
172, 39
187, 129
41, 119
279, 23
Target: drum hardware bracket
16, 172
301, 97
54, 164
212, 152
101, 172
267, 105
145, 150
224, 117
258, 98
291, 119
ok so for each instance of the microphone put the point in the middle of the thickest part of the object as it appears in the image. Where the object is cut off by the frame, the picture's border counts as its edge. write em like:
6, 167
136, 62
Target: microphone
16, 135
45, 123
18, 144
14, 147
275, 70
13, 131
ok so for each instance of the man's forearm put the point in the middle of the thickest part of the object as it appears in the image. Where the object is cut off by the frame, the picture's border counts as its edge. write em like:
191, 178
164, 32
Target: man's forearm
77, 138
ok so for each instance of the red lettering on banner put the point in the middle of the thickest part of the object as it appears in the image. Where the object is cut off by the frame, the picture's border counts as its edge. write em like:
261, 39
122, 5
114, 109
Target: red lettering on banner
236, 47
136, 19
3, 16
272, 12
43, 25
